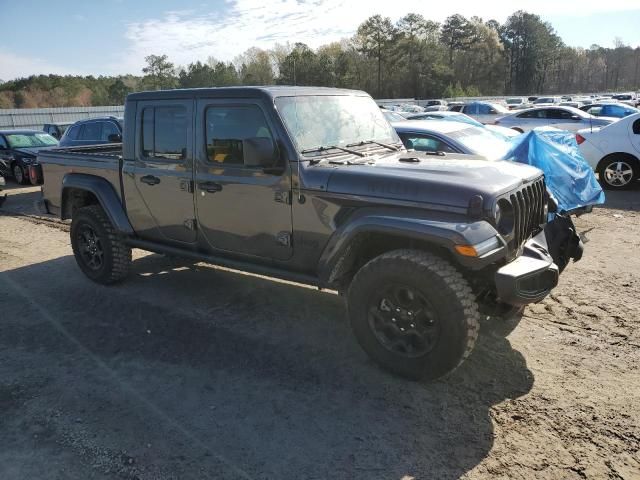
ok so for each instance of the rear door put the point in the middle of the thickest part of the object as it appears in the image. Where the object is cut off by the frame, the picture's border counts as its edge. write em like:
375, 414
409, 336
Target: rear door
163, 169
240, 208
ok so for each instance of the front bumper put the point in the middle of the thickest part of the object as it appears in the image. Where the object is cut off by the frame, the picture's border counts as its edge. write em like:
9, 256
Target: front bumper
530, 277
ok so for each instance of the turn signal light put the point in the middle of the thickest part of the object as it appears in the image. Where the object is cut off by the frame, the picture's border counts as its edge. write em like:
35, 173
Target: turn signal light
580, 139
466, 250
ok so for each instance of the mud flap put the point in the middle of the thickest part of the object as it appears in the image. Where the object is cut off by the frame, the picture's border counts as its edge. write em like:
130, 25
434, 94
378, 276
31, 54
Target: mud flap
563, 241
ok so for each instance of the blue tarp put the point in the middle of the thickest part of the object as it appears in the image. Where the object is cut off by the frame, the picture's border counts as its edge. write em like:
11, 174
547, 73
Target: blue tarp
569, 177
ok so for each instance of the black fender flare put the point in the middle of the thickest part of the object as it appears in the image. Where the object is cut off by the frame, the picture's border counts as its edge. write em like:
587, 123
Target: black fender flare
441, 232
106, 195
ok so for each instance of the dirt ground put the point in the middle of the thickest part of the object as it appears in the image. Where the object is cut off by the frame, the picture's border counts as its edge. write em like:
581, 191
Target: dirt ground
188, 371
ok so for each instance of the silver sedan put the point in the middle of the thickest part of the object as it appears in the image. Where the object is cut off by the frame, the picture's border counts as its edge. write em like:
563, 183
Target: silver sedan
564, 118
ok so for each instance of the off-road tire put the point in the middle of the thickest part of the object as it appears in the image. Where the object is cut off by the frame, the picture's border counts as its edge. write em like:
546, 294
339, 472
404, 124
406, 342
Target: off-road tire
116, 255
443, 286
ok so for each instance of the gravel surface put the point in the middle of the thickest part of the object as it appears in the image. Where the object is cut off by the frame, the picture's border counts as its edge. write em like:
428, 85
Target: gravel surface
190, 371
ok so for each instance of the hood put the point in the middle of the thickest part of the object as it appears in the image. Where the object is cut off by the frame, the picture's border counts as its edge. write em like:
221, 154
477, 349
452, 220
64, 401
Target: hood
450, 180
30, 151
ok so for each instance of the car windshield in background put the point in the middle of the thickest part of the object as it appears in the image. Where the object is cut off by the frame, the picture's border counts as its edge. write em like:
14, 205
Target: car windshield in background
482, 142
393, 117
326, 120
27, 140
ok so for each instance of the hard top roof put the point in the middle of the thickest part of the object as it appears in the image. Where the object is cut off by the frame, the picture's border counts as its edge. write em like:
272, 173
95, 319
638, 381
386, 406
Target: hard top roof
239, 92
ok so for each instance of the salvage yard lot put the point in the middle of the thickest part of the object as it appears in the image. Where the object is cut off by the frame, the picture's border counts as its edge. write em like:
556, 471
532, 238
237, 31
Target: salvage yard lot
189, 371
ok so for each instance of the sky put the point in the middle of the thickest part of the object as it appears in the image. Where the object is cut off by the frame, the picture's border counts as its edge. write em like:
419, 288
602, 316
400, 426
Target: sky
110, 37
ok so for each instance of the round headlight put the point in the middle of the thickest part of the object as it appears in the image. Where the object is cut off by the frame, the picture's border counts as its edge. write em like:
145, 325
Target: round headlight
504, 216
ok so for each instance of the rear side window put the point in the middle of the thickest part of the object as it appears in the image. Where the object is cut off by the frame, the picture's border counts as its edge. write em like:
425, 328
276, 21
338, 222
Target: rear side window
636, 127
164, 133
91, 131
228, 126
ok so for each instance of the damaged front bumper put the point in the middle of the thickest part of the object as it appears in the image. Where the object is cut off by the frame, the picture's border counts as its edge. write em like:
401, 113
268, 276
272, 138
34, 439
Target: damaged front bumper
530, 277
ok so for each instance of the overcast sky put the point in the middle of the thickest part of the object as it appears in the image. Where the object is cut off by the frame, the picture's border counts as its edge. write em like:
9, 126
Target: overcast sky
113, 36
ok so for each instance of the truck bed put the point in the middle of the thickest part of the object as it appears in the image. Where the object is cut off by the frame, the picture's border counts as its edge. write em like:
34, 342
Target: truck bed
101, 160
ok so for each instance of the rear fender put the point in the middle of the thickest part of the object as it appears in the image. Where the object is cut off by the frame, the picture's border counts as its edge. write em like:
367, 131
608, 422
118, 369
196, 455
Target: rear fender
105, 194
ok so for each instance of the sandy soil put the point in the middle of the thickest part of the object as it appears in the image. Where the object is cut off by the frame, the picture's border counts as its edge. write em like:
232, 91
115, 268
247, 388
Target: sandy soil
188, 371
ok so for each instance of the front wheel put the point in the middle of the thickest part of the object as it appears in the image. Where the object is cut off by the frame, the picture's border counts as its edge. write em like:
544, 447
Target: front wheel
99, 251
413, 313
18, 174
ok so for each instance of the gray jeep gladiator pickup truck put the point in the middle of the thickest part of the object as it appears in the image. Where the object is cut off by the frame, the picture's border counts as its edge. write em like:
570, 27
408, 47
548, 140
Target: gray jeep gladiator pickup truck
314, 186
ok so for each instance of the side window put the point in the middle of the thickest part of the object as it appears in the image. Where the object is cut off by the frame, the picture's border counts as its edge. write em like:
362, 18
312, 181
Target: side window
636, 127
425, 143
73, 132
164, 133
227, 127
109, 128
484, 109
91, 131
3, 142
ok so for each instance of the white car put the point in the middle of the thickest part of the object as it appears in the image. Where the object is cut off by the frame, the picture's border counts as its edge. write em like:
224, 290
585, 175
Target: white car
564, 118
613, 151
461, 117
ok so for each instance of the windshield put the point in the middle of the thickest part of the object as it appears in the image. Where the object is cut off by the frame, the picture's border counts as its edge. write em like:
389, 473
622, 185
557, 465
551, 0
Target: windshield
482, 142
28, 139
545, 100
514, 101
325, 120
622, 97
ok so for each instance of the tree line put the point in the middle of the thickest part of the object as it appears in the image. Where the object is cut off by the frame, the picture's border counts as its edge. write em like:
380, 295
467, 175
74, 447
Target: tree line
413, 57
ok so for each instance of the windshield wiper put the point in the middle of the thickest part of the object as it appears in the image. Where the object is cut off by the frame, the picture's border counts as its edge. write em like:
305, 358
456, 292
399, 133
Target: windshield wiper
365, 142
333, 147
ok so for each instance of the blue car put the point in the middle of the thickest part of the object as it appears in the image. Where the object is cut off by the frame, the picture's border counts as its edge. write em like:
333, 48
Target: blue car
615, 110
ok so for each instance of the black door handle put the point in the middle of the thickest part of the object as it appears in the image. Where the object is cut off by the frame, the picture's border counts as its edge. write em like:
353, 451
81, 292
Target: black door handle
210, 187
150, 180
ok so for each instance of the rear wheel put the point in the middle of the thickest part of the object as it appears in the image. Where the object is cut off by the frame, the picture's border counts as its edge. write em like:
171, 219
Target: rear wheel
99, 251
413, 313
618, 172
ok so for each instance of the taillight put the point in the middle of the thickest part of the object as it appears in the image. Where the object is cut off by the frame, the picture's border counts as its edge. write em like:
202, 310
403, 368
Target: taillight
580, 139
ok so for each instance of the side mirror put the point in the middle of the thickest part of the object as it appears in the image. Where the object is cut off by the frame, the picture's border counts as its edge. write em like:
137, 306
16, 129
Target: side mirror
259, 152
114, 138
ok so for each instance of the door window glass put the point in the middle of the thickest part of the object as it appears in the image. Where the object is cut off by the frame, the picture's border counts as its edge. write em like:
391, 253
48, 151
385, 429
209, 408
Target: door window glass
228, 126
109, 128
164, 132
72, 134
91, 131
3, 143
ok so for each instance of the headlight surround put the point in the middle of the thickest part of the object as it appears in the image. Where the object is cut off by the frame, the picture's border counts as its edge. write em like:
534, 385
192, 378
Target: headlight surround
504, 216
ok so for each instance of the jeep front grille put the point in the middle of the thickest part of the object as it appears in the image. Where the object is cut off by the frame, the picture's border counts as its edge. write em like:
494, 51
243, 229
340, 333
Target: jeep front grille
528, 211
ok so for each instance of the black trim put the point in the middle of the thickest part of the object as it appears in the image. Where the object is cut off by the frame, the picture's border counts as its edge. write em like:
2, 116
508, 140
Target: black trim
240, 265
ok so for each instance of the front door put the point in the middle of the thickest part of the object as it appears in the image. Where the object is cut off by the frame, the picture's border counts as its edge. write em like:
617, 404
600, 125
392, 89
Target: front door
163, 169
240, 208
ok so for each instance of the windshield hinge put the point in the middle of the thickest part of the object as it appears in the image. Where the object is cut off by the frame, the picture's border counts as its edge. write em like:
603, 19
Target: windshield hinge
186, 186
283, 196
284, 239
191, 223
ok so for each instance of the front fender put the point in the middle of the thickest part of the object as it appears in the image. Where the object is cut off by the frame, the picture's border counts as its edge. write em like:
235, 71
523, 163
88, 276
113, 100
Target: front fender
444, 232
104, 192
